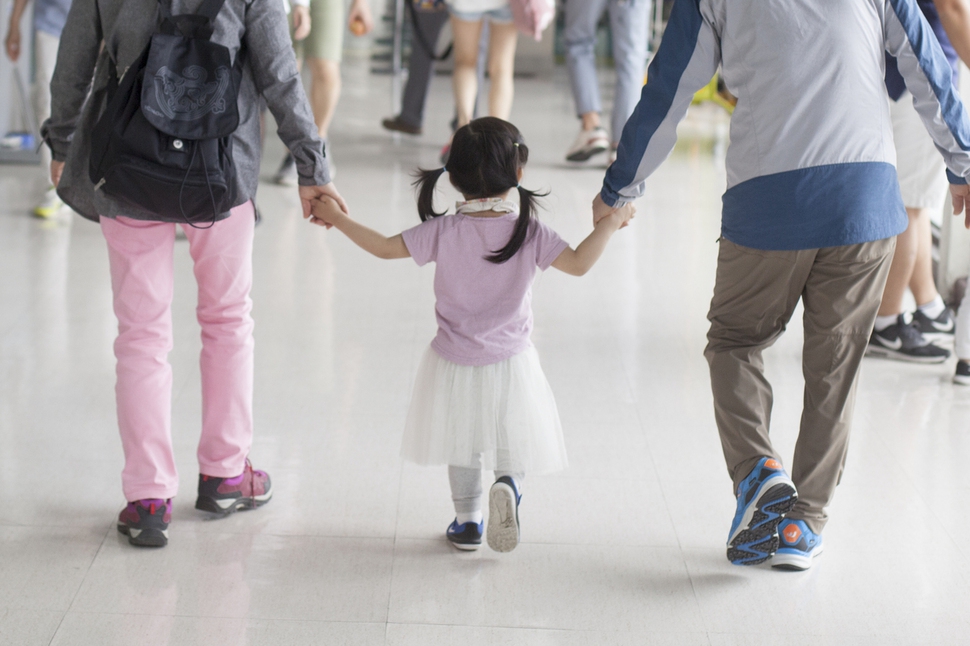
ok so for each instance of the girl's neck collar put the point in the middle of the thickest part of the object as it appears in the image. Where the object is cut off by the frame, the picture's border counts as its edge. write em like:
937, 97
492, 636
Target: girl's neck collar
498, 205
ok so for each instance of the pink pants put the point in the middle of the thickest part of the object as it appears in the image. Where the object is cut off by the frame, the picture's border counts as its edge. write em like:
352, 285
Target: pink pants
140, 255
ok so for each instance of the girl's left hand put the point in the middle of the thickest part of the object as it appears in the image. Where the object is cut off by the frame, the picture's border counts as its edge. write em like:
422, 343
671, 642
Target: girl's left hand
325, 211
360, 19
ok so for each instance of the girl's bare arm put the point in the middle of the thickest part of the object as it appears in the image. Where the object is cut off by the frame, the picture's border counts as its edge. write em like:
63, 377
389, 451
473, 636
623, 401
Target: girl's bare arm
578, 261
326, 212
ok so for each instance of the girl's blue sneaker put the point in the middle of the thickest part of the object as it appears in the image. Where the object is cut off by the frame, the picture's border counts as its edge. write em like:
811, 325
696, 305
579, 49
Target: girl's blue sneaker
503, 515
764, 497
797, 546
467, 536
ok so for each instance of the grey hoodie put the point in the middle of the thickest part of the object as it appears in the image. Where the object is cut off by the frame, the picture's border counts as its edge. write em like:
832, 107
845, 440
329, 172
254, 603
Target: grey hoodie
79, 89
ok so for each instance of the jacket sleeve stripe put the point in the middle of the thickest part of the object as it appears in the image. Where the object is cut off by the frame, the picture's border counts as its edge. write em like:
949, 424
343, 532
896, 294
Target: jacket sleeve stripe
686, 61
928, 77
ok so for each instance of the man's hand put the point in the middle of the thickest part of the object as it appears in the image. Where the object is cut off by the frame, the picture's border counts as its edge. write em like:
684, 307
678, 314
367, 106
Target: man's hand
12, 43
960, 196
57, 167
301, 22
359, 19
600, 209
310, 193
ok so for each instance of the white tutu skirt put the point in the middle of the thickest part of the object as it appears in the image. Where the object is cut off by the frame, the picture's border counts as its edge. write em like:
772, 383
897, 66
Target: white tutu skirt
504, 412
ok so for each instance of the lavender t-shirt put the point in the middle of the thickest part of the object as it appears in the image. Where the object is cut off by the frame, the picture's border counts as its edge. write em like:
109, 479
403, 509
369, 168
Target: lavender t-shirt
484, 310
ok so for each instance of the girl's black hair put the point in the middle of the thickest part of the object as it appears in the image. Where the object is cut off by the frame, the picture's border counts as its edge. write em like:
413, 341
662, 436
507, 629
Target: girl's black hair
484, 161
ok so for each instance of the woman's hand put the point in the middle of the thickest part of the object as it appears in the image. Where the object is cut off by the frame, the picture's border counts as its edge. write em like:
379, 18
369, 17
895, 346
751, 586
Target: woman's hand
301, 22
359, 19
12, 43
57, 169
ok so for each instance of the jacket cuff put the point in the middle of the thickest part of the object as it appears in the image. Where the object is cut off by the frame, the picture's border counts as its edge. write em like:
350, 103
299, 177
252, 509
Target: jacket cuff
612, 198
59, 149
955, 179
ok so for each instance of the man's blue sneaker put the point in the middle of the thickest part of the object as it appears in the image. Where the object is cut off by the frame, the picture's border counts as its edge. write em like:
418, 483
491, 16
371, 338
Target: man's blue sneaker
798, 545
467, 536
503, 515
764, 497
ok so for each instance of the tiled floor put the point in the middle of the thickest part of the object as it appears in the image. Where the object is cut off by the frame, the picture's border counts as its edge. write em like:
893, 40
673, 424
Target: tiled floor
625, 547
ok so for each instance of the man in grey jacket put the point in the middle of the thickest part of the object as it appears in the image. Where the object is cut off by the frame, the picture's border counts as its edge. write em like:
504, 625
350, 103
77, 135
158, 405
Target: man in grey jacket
810, 214
102, 36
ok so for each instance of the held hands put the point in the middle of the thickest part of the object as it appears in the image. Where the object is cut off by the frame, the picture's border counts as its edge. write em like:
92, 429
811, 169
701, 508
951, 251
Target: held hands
301, 22
619, 216
309, 194
600, 209
960, 196
326, 212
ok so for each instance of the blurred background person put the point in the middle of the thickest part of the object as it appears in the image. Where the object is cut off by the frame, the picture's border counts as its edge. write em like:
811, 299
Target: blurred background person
48, 23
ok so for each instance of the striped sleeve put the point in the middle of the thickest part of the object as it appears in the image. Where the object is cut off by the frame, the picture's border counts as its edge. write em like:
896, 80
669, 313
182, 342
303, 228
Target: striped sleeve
929, 78
685, 62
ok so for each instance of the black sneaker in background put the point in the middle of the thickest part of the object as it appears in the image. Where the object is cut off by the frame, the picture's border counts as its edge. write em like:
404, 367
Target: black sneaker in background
286, 175
962, 375
397, 124
939, 329
904, 342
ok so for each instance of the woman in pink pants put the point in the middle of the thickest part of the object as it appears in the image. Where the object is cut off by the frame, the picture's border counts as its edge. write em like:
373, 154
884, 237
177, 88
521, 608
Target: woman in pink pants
140, 250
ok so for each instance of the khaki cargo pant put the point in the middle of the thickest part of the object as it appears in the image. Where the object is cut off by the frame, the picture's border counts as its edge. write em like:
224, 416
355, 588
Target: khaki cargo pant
754, 297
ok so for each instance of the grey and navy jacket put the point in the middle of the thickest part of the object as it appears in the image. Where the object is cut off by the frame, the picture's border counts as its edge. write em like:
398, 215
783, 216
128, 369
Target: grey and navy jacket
811, 161
101, 32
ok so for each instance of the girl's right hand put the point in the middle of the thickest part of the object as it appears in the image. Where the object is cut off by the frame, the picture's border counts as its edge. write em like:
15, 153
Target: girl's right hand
626, 213
618, 218
324, 211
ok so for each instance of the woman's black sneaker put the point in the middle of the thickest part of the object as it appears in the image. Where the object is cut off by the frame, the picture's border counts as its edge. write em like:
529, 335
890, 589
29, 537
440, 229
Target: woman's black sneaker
904, 342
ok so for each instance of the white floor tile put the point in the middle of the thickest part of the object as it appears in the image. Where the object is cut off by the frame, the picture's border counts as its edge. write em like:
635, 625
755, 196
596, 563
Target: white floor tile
425, 635
543, 586
82, 629
28, 627
242, 575
42, 568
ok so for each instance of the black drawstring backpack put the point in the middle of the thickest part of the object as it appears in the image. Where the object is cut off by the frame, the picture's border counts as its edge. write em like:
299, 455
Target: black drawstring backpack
164, 142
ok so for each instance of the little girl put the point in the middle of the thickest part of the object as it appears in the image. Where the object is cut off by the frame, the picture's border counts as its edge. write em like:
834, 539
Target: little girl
480, 397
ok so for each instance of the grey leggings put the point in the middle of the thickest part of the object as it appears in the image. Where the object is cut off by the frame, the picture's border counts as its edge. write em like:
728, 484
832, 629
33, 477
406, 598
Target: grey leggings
466, 486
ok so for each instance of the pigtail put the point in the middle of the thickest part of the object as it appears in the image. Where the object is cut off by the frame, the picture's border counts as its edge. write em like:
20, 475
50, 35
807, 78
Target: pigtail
528, 203
426, 181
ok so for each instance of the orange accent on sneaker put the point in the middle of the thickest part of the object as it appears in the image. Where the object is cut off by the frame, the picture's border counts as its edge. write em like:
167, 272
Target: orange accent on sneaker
151, 508
792, 533
773, 464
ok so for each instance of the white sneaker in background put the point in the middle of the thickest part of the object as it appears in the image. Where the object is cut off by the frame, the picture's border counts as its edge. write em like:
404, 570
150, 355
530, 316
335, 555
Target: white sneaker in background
49, 205
588, 143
